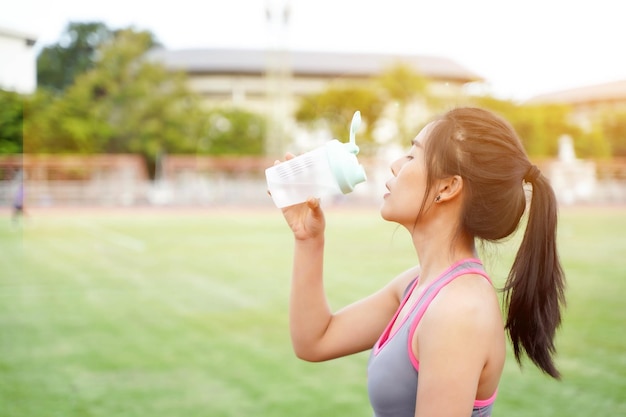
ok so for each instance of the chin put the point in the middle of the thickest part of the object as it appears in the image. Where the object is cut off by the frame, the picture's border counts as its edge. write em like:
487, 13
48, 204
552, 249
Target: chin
385, 213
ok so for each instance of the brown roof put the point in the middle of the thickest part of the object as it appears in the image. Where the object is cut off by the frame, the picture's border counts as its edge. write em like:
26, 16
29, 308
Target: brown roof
607, 92
321, 64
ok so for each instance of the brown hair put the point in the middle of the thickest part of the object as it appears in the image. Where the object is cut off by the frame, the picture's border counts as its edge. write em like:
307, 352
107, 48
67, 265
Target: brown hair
485, 151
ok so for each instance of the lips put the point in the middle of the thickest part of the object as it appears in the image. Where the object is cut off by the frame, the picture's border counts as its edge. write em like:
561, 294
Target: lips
389, 189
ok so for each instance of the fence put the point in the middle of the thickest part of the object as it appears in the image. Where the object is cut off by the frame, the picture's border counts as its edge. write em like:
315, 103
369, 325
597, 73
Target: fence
51, 180
122, 180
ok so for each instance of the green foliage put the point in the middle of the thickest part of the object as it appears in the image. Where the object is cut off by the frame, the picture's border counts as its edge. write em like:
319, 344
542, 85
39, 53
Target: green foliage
613, 129
397, 87
538, 126
402, 84
593, 144
59, 64
115, 100
123, 104
334, 107
233, 132
11, 120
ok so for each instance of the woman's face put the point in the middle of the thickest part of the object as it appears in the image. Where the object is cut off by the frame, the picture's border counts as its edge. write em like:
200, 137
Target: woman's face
408, 184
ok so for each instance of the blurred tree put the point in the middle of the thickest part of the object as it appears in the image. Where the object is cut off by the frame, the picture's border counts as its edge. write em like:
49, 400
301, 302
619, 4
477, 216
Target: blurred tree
11, 121
60, 63
395, 92
43, 124
402, 86
233, 132
125, 103
538, 126
613, 129
334, 107
592, 144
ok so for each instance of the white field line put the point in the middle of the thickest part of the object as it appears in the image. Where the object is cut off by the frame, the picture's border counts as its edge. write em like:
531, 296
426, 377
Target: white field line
227, 297
110, 236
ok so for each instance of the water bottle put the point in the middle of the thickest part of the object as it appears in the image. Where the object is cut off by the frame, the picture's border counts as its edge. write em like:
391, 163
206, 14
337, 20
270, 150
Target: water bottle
329, 170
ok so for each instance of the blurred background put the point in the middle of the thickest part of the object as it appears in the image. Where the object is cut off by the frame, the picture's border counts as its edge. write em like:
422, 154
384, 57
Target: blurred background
145, 105
144, 269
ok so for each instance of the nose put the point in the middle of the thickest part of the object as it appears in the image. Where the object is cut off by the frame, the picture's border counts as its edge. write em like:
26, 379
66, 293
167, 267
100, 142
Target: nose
395, 166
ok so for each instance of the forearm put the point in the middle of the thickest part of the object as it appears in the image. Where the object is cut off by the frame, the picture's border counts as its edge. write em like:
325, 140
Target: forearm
309, 313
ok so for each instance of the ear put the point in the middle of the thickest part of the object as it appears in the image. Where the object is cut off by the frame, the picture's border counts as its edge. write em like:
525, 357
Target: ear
449, 188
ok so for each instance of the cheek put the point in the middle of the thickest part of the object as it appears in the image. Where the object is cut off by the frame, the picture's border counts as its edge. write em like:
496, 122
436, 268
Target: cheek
410, 204
411, 187
404, 202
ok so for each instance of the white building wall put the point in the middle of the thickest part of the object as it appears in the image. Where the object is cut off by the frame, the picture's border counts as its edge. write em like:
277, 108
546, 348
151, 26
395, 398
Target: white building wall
18, 62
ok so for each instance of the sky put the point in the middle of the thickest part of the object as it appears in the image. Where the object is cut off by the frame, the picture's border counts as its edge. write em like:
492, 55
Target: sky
521, 48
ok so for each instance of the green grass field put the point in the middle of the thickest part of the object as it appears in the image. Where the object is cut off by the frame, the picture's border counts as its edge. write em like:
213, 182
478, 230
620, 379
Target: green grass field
184, 313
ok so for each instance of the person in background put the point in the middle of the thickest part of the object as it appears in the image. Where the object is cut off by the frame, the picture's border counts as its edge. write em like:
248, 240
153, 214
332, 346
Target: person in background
436, 332
18, 200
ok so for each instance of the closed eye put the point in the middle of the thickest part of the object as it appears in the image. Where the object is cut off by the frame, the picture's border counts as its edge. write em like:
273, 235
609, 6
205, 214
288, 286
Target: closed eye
416, 143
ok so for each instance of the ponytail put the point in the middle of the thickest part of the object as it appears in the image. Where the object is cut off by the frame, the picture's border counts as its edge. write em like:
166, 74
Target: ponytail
486, 152
534, 289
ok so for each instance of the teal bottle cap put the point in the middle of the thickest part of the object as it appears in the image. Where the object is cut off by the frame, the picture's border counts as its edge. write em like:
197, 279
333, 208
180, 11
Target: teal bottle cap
343, 162
347, 170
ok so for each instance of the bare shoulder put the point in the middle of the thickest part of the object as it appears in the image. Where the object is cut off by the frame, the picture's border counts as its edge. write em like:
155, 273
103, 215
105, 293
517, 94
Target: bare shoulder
469, 300
460, 343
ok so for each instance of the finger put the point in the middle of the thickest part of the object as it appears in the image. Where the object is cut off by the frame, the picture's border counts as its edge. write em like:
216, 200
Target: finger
288, 156
314, 205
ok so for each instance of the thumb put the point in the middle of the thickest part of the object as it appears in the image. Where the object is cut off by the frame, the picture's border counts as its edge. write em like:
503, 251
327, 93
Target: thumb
314, 205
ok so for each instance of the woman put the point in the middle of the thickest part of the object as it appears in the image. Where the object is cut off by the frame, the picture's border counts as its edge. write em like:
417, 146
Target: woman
436, 329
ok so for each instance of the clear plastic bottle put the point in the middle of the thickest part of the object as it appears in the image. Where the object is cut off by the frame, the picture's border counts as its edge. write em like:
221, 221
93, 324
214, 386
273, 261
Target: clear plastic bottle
331, 169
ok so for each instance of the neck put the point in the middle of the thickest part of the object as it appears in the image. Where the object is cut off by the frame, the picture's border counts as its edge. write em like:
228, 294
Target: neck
438, 245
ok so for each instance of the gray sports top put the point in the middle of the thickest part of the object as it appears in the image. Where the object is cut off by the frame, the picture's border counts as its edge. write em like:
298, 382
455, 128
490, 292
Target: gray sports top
393, 369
